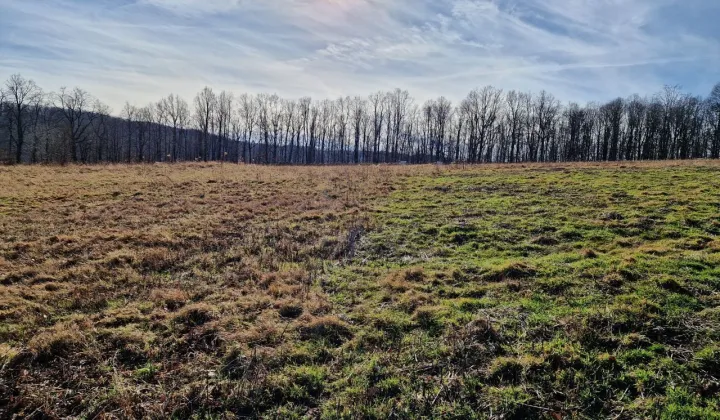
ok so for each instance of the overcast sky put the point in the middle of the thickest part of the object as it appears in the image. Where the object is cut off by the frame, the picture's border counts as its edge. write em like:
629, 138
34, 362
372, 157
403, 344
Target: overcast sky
142, 50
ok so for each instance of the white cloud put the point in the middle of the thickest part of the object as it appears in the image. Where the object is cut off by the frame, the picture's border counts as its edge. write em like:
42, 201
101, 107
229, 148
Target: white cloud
140, 51
196, 7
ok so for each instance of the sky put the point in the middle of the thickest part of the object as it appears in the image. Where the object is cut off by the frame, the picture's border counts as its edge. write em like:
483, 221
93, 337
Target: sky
142, 50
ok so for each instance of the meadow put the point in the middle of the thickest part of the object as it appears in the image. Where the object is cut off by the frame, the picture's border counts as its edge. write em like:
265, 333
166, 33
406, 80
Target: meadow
225, 291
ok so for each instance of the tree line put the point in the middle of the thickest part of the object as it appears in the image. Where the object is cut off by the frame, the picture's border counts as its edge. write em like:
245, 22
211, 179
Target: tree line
489, 125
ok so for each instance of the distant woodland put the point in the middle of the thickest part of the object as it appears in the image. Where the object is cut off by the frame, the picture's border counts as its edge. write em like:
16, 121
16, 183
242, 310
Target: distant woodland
489, 125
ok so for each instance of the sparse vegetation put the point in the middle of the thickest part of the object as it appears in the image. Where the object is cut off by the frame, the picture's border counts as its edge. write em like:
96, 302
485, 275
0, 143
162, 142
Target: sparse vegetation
217, 291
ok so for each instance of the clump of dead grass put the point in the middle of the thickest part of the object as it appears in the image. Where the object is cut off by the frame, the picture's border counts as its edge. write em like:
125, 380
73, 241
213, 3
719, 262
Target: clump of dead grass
195, 314
512, 270
328, 328
62, 340
168, 298
404, 280
289, 308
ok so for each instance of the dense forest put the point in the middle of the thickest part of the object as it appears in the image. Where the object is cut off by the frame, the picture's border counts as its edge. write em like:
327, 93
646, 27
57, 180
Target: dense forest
489, 125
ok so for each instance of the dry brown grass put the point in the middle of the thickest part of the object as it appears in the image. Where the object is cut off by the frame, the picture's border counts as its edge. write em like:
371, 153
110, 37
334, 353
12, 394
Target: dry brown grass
125, 290
105, 270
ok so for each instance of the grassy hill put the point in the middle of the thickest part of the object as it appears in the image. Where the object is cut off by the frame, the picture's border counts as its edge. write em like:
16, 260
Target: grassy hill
216, 291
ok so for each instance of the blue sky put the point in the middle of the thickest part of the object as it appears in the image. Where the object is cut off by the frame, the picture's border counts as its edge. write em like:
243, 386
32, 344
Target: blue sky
142, 50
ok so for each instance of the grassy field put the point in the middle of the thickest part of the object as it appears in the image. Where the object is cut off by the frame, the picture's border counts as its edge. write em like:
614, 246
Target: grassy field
210, 291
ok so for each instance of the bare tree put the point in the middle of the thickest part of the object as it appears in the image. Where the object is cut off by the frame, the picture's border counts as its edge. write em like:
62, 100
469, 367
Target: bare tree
514, 119
545, 109
313, 131
358, 106
288, 116
162, 120
223, 114
145, 121
76, 109
326, 123
378, 103
636, 108
400, 102
248, 115
205, 103
482, 108
713, 104
263, 105
442, 113
21, 94
3, 126
303, 120
130, 114
486, 126
460, 131
177, 112
669, 98
276, 115
101, 130
612, 113
342, 115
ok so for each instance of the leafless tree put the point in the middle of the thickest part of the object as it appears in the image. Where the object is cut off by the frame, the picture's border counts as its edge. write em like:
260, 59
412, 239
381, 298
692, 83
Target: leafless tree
129, 113
145, 121
313, 131
101, 130
222, 115
276, 116
4, 126
514, 118
342, 116
21, 94
304, 126
288, 118
482, 108
358, 106
177, 112
442, 113
327, 129
76, 109
545, 109
248, 115
400, 103
487, 126
378, 102
205, 103
713, 104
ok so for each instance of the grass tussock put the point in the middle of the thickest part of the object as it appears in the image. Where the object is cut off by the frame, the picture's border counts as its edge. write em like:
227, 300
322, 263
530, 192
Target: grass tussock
61, 341
329, 328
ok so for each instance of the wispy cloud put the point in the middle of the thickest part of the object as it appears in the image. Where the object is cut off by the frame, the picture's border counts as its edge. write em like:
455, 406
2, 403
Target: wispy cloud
144, 49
